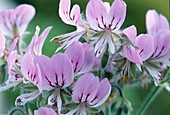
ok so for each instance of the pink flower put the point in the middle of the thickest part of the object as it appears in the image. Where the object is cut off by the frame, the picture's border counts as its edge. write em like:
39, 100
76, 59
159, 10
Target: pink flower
144, 44
103, 17
14, 76
31, 70
149, 49
15, 21
81, 56
92, 93
2, 43
155, 22
44, 111
72, 18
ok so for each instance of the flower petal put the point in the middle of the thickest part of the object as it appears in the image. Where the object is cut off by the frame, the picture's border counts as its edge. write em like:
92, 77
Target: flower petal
24, 14
155, 22
44, 111
145, 44
132, 54
76, 54
35, 47
2, 43
24, 98
79, 88
102, 94
131, 33
62, 69
88, 58
45, 71
162, 47
117, 14
96, 14
64, 13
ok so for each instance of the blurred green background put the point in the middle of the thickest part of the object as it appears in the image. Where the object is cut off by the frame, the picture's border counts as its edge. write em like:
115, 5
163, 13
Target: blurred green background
47, 15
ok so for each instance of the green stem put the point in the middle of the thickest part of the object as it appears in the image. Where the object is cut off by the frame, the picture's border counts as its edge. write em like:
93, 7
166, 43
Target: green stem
152, 95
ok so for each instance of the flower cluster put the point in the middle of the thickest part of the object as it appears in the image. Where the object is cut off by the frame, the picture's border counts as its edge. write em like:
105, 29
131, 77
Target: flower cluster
84, 76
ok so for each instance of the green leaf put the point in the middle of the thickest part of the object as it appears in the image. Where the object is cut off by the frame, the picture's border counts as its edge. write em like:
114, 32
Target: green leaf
154, 65
133, 70
30, 87
98, 34
71, 105
113, 107
119, 102
92, 110
105, 59
127, 103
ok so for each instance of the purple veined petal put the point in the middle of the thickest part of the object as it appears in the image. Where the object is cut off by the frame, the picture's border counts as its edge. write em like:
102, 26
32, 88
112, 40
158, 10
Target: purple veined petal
75, 14
76, 54
7, 20
24, 14
96, 14
62, 68
78, 88
2, 43
102, 94
24, 98
145, 44
162, 47
117, 15
132, 54
90, 90
44, 66
44, 111
131, 33
88, 58
64, 13
30, 70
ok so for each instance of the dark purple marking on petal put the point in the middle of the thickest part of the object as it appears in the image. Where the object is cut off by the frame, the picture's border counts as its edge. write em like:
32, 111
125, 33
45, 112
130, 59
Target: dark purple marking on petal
80, 98
49, 82
117, 24
111, 22
56, 77
87, 97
